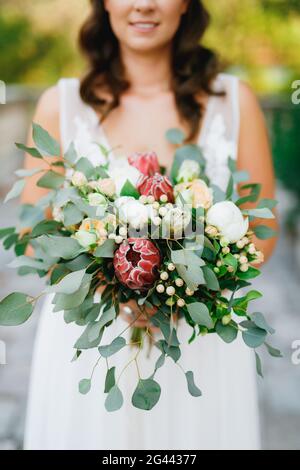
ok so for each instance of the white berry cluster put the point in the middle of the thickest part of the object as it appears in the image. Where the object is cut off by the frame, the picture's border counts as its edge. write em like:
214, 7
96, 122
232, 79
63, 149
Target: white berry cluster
169, 286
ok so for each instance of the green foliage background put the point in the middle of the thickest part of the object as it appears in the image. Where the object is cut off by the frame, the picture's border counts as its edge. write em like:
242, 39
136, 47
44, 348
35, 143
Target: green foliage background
259, 39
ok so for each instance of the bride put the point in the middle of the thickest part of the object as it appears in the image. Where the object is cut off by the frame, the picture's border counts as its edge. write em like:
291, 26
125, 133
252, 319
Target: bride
147, 73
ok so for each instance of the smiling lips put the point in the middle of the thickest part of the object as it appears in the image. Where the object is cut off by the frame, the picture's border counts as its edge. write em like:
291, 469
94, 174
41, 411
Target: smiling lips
144, 26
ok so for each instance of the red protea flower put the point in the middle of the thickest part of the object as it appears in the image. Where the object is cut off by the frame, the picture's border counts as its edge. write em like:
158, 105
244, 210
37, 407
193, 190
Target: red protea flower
146, 163
136, 263
156, 186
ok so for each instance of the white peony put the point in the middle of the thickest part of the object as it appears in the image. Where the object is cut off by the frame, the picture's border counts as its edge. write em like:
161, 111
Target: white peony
229, 220
96, 199
120, 171
188, 171
79, 179
132, 212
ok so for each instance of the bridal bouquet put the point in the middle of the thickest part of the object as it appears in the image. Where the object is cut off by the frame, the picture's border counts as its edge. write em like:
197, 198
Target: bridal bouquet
176, 244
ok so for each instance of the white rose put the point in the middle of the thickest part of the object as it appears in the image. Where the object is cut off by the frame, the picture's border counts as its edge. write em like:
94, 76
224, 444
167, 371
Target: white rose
85, 238
120, 171
188, 171
96, 199
132, 212
229, 220
79, 179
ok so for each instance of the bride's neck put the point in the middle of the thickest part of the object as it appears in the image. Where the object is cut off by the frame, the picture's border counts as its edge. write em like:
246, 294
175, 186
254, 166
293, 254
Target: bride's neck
148, 73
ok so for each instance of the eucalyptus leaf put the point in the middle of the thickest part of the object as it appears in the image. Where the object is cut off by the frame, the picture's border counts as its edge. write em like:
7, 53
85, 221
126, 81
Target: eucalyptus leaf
70, 284
63, 247
15, 191
200, 314
175, 136
261, 322
192, 387
110, 379
71, 214
116, 345
71, 154
27, 173
51, 180
46, 144
263, 213
106, 250
106, 317
273, 351
258, 365
254, 337
84, 343
84, 386
264, 232
15, 309
227, 333
114, 399
30, 150
146, 394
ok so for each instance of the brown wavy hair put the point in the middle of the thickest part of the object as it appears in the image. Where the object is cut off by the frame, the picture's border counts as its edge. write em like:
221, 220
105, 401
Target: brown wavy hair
194, 66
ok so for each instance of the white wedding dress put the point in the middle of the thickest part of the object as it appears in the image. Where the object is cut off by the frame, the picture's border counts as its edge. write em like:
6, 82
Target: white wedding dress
225, 417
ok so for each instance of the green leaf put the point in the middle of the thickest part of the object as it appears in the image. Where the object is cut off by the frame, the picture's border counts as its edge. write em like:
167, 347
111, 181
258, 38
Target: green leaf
129, 190
71, 154
15, 309
114, 399
46, 144
186, 257
84, 386
62, 247
116, 345
258, 365
211, 279
264, 232
175, 136
70, 284
86, 167
106, 317
230, 188
30, 150
72, 215
269, 203
200, 314
4, 232
84, 343
273, 351
29, 262
146, 394
70, 301
30, 215
106, 250
227, 333
25, 173
261, 322
263, 213
171, 351
15, 191
110, 379
51, 180
254, 337
45, 227
250, 274
230, 260
193, 389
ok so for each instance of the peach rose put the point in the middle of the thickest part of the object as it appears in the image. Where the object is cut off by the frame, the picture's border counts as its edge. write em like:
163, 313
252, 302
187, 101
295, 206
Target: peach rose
196, 193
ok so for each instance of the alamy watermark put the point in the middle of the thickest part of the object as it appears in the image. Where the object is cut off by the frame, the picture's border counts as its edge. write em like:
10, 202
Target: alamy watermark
296, 93
2, 353
296, 354
2, 92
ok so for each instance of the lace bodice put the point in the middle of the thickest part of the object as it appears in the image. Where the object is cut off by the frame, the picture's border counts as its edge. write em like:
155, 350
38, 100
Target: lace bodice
218, 138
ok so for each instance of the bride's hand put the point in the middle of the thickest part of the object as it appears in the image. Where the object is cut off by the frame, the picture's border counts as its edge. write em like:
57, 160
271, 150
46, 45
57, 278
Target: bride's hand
130, 310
